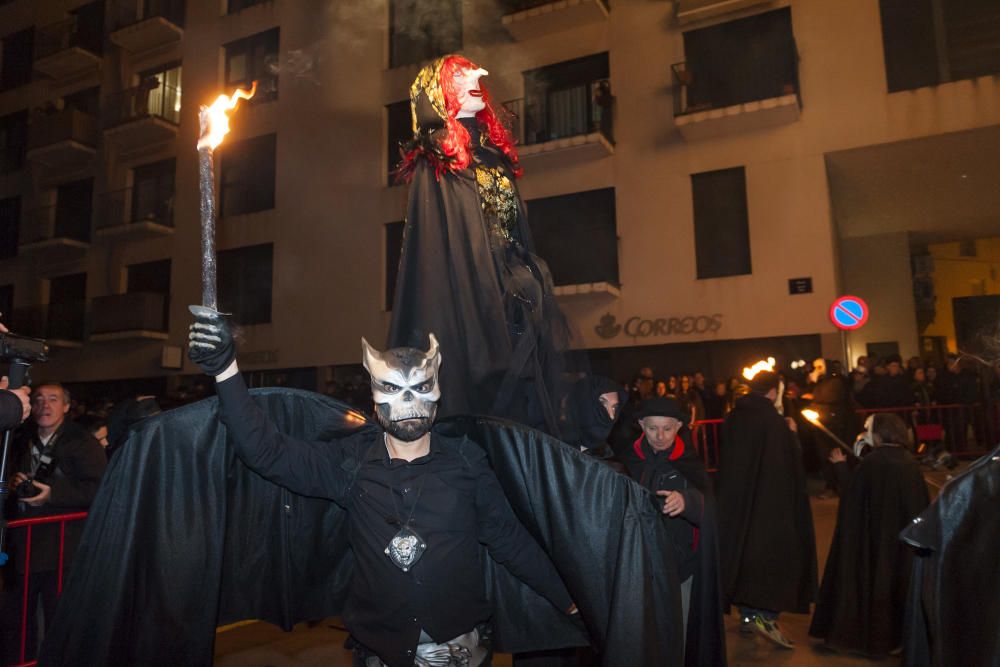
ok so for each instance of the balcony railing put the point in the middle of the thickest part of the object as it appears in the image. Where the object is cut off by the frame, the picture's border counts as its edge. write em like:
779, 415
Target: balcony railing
142, 102
136, 11
54, 223
56, 322
75, 132
133, 206
567, 112
693, 93
65, 35
137, 314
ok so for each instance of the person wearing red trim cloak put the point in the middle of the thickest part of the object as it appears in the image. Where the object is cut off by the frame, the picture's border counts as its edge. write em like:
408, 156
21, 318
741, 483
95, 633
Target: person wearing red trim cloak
664, 461
468, 271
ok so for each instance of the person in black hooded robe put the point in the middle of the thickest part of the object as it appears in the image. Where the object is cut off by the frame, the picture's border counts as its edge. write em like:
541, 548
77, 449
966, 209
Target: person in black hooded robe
766, 538
861, 601
468, 272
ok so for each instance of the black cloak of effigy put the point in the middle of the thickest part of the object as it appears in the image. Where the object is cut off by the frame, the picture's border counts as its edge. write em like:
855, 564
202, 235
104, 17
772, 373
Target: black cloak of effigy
953, 611
864, 589
183, 537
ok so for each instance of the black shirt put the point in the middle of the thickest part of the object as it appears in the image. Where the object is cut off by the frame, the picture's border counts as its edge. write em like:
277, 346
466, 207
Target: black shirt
456, 504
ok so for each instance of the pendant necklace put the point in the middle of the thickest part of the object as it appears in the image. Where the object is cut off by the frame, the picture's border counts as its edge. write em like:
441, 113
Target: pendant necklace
406, 546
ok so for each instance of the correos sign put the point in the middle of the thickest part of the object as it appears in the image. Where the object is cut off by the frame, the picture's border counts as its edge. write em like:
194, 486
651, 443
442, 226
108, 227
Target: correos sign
639, 327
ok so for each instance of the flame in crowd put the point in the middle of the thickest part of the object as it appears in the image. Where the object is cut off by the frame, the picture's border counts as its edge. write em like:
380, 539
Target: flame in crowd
811, 415
215, 118
763, 365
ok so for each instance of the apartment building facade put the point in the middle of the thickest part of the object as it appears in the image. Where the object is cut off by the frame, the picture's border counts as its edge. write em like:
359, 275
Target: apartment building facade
704, 177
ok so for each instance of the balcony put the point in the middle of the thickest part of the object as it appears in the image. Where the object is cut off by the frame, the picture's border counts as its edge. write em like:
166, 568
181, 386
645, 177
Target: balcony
530, 19
140, 118
64, 138
576, 123
57, 234
60, 324
64, 50
149, 25
133, 316
704, 111
690, 11
128, 214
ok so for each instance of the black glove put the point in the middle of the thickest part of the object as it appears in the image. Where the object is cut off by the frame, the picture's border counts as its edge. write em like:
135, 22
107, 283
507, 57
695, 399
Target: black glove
210, 343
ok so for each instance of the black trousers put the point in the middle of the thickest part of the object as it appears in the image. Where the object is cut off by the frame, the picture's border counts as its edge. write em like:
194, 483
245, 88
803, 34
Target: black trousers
42, 589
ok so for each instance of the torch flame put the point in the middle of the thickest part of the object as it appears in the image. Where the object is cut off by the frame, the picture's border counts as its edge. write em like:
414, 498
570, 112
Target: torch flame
811, 415
750, 371
215, 118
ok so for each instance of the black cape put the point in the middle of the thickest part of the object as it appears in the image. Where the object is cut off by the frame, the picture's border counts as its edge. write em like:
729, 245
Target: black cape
953, 611
705, 644
492, 310
861, 601
183, 537
766, 538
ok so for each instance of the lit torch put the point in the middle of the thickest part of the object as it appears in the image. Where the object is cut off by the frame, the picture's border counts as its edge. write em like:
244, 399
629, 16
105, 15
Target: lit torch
214, 122
749, 372
813, 418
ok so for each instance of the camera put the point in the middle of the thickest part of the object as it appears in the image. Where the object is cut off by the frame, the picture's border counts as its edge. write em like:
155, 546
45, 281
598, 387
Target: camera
26, 489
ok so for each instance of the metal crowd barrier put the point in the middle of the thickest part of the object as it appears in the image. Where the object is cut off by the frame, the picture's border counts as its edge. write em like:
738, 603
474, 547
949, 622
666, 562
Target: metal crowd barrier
28, 525
967, 431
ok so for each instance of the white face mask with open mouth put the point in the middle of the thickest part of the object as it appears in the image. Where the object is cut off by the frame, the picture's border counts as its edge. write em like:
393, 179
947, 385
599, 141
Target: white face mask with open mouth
470, 96
405, 388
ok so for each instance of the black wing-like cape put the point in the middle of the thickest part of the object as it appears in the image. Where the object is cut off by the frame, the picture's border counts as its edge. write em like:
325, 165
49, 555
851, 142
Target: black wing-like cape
766, 541
953, 612
183, 537
864, 589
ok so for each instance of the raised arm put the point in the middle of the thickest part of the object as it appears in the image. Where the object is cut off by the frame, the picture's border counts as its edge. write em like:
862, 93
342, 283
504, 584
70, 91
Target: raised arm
318, 469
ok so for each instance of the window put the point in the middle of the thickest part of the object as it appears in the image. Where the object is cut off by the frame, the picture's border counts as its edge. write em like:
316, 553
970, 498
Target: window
399, 129
393, 253
240, 5
567, 99
10, 226
248, 174
87, 101
577, 235
88, 27
153, 193
741, 61
67, 306
13, 141
152, 278
6, 301
423, 29
159, 94
245, 283
254, 59
17, 63
721, 224
927, 42
74, 204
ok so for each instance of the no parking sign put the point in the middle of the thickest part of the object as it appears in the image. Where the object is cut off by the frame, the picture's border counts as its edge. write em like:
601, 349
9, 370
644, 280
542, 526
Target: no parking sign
849, 313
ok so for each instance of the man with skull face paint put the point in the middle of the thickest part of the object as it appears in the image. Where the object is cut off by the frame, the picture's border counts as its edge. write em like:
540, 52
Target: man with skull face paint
419, 504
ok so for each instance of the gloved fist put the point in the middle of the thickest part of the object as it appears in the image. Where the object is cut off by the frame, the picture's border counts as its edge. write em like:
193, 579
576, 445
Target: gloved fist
210, 341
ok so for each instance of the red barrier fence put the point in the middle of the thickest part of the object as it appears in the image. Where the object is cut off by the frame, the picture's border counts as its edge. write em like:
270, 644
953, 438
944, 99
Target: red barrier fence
28, 525
967, 431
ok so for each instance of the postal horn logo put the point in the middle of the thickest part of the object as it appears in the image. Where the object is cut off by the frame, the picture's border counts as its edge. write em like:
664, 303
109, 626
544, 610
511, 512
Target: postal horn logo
608, 327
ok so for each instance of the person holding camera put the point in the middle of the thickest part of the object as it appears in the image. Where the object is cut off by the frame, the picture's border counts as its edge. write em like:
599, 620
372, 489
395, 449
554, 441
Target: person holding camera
58, 468
664, 460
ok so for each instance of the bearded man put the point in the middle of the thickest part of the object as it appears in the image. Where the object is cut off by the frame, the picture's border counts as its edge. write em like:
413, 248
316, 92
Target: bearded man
419, 504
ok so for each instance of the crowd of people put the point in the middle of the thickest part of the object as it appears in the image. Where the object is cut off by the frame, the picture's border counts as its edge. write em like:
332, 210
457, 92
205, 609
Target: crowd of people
642, 429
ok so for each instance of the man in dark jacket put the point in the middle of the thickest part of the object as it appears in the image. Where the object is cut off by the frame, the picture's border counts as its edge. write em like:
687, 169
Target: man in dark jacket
766, 540
891, 390
64, 464
664, 460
